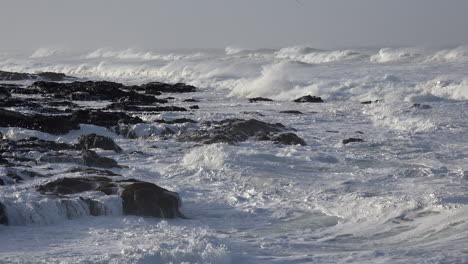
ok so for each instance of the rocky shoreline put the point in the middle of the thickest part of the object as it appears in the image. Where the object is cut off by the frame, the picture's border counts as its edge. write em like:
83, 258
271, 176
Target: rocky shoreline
51, 104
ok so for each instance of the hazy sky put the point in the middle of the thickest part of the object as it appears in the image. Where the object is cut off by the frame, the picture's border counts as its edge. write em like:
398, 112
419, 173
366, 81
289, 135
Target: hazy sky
220, 23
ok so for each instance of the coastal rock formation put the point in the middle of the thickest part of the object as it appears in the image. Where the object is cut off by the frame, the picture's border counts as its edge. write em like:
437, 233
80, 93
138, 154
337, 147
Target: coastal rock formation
138, 197
259, 99
352, 140
19, 76
289, 139
148, 199
230, 131
159, 87
86, 142
309, 99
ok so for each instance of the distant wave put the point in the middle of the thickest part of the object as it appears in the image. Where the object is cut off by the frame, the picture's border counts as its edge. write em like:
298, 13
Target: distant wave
316, 56
395, 55
131, 54
459, 54
45, 52
414, 54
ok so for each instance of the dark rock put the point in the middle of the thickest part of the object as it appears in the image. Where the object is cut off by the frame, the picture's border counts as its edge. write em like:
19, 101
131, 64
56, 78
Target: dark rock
194, 107
101, 90
22, 175
66, 186
86, 142
50, 124
92, 171
134, 108
259, 99
32, 144
262, 136
100, 118
421, 106
138, 198
153, 87
62, 103
80, 96
53, 76
18, 76
4, 93
16, 102
309, 99
294, 112
3, 215
370, 102
191, 100
351, 140
176, 121
147, 199
92, 159
289, 139
59, 157
230, 131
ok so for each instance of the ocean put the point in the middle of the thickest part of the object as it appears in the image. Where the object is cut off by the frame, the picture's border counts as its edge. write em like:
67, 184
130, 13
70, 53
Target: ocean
400, 195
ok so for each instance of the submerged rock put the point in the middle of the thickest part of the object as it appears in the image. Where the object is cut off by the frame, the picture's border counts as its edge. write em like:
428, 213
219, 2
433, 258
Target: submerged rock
352, 140
309, 99
86, 142
92, 159
289, 139
421, 106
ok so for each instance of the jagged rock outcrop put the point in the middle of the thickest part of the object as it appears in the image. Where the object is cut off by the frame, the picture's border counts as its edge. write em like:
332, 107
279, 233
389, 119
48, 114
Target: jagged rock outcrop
20, 76
259, 99
309, 99
138, 198
86, 142
230, 131
159, 87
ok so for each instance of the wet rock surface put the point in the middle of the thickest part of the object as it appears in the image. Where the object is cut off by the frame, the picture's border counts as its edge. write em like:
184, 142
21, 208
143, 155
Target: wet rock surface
259, 99
86, 142
352, 140
148, 199
58, 108
158, 87
309, 99
231, 131
19, 76
289, 139
138, 197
